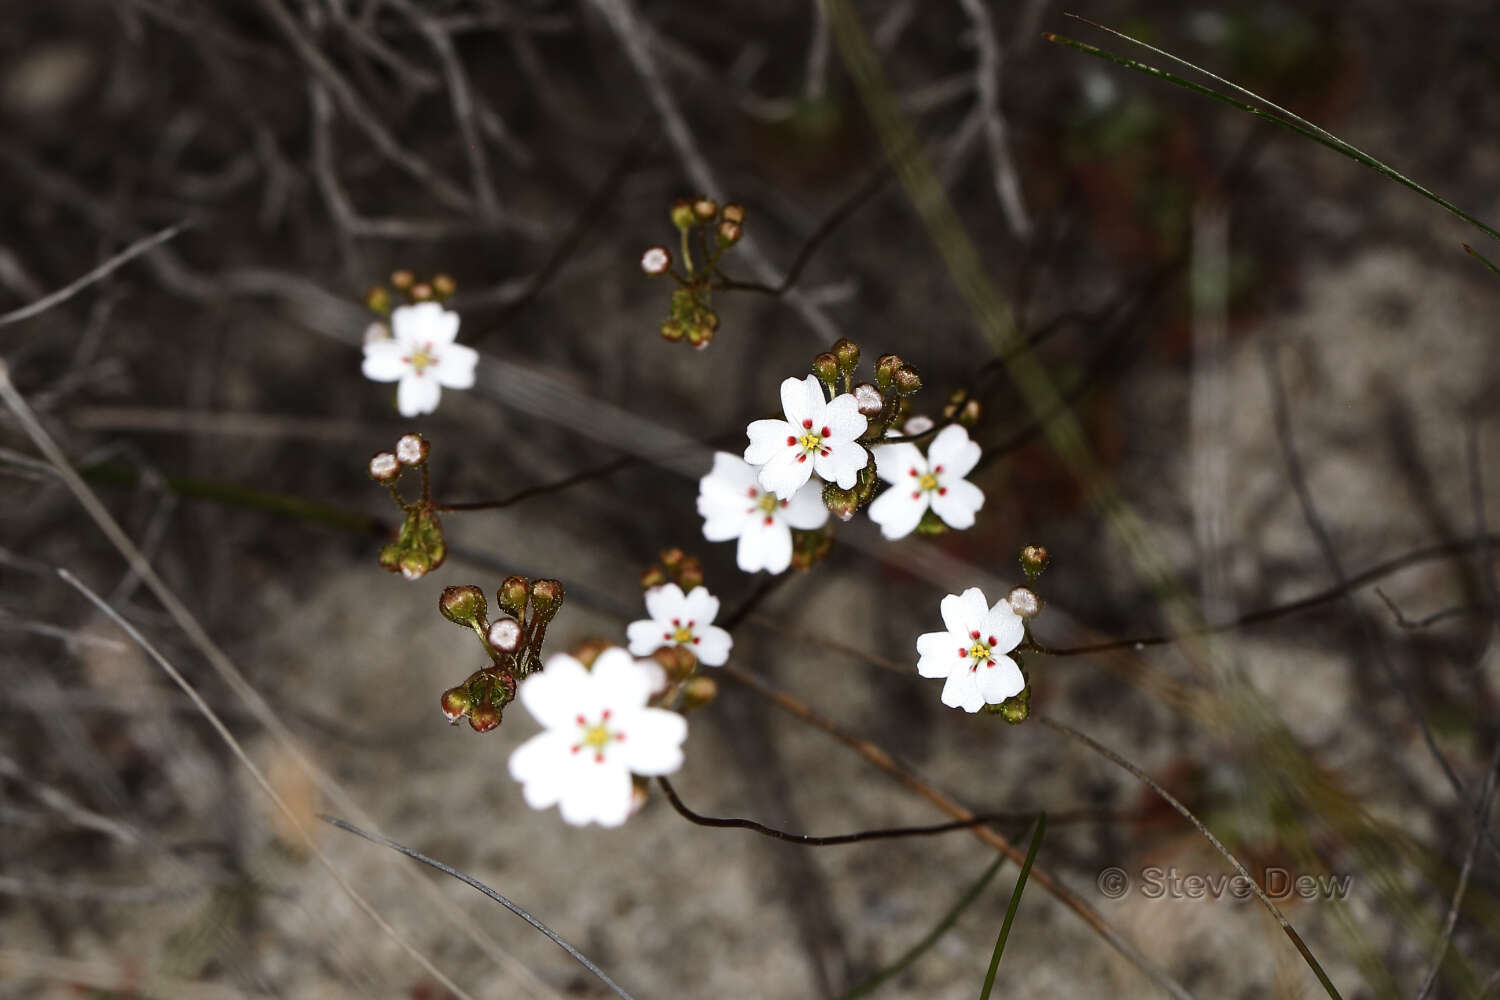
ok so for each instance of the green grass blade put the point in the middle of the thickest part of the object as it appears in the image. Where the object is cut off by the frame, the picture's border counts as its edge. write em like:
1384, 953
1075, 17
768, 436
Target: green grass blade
1015, 902
1290, 121
1480, 257
917, 950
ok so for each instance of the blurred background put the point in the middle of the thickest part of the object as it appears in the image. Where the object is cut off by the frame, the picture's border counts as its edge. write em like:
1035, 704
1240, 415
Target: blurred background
1178, 266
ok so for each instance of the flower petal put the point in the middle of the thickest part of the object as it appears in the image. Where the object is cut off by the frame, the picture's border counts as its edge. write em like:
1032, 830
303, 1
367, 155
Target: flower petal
842, 463
767, 439
1001, 681
712, 646
665, 603
599, 794
645, 637
720, 525
425, 322
897, 511
964, 614
764, 547
962, 691
700, 606
455, 369
953, 450
805, 509
730, 476
417, 394
938, 653
842, 418
783, 474
555, 696
620, 683
894, 462
957, 501
384, 362
1005, 626
653, 741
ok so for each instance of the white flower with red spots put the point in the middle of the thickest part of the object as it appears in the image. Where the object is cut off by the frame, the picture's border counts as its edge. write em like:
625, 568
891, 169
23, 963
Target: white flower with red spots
733, 505
597, 733
817, 435
936, 481
971, 653
421, 356
679, 619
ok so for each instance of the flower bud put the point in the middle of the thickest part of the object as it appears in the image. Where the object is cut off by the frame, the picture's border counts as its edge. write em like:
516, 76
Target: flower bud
505, 635
702, 334
681, 214
868, 400
886, 367
463, 606
443, 286
587, 651
671, 558
512, 596
377, 333
847, 351
1017, 709
656, 261
918, 424
384, 467
421, 292
390, 558
1034, 559
402, 280
734, 212
672, 331
698, 691
906, 381
690, 573
378, 300
484, 717
412, 449
678, 662
729, 233
1024, 602
705, 209
826, 367
455, 703
840, 503
414, 564
652, 576
546, 598
970, 413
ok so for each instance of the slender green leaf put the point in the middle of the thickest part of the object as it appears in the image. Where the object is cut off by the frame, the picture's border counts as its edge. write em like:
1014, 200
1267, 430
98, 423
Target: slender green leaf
1015, 902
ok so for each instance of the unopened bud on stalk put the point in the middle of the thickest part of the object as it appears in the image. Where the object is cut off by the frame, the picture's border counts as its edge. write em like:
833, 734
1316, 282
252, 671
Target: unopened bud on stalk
672, 331
840, 503
690, 573
455, 703
512, 596
705, 209
653, 576
698, 691
826, 367
1034, 559
729, 233
384, 467
735, 213
847, 352
390, 558
421, 292
412, 449
546, 598
378, 300
886, 367
505, 635
671, 557
656, 261
464, 606
415, 564
677, 661
906, 381
402, 280
443, 286
868, 399
484, 717
681, 213
1024, 602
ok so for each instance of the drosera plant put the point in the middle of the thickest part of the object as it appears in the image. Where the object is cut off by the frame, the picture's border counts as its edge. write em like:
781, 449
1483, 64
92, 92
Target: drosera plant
712, 231
414, 345
419, 546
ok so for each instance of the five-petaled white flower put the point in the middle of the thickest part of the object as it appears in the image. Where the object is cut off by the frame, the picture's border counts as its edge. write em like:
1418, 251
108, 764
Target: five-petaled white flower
422, 356
732, 505
918, 483
598, 731
816, 436
679, 619
971, 654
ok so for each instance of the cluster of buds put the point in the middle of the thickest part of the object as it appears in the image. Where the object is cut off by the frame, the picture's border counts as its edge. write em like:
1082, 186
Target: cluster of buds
439, 288
673, 566
884, 404
419, 547
714, 230
513, 642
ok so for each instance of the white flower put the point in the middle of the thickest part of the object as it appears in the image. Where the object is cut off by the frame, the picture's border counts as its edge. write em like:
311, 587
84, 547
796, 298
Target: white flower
815, 436
598, 731
679, 619
732, 505
656, 261
971, 654
384, 467
936, 481
422, 356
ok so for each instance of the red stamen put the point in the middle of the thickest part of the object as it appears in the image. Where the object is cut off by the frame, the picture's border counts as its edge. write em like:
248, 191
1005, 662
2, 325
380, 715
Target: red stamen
802, 457
769, 518
604, 716
791, 439
582, 721
824, 432
974, 634
942, 491
807, 425
992, 640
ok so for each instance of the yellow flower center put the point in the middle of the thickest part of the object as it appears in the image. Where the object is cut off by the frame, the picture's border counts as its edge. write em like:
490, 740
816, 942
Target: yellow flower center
596, 736
683, 634
767, 503
420, 359
979, 651
928, 481
810, 441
